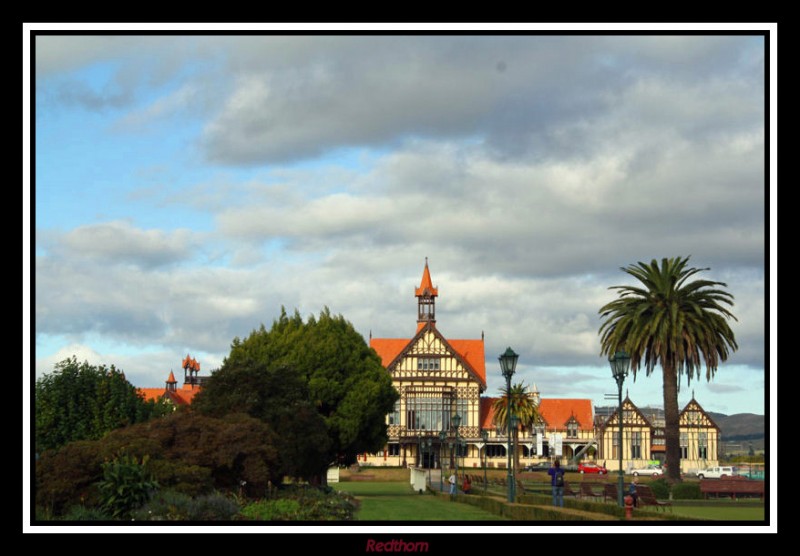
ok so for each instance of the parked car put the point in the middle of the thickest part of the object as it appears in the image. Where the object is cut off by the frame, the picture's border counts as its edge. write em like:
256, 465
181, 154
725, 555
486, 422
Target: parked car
718, 472
541, 466
592, 468
649, 470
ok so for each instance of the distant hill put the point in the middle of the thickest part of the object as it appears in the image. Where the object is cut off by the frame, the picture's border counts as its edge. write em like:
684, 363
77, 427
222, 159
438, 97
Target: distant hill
742, 429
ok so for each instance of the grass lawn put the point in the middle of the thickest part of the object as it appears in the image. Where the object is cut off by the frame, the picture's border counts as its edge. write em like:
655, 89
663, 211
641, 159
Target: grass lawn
722, 513
397, 501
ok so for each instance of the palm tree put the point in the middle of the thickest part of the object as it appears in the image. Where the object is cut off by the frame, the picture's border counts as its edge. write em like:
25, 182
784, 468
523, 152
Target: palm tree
521, 405
673, 323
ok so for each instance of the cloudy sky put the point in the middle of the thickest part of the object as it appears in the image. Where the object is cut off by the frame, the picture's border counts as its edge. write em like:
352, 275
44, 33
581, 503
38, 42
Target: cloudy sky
186, 187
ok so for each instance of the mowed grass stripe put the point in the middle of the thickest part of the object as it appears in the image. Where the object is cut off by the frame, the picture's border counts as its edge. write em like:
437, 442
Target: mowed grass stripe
398, 502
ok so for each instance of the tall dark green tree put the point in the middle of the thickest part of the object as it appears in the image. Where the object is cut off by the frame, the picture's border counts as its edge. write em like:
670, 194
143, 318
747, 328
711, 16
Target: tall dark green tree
673, 322
317, 377
79, 401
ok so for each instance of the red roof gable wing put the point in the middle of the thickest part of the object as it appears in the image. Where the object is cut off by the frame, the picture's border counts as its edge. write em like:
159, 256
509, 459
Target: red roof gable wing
469, 353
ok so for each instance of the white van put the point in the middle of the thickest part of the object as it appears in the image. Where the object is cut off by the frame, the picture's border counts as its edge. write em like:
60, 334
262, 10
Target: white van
717, 472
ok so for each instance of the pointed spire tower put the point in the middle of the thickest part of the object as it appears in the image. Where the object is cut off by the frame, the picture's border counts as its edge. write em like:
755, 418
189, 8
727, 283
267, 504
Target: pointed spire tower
426, 298
172, 384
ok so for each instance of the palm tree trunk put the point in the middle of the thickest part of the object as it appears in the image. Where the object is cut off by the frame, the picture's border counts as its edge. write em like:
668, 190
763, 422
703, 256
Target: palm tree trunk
672, 424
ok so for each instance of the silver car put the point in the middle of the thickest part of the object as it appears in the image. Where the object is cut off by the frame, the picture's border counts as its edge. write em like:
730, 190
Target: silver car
649, 470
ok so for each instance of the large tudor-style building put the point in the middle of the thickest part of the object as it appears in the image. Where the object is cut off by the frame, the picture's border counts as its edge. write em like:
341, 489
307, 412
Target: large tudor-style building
439, 379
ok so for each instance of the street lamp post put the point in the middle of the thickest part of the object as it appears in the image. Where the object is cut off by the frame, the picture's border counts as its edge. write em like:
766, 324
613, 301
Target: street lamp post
508, 363
485, 437
456, 424
514, 448
620, 362
442, 437
428, 445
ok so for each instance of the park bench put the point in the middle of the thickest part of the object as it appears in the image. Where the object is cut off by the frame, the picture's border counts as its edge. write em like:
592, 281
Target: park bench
732, 487
610, 492
646, 498
568, 490
587, 490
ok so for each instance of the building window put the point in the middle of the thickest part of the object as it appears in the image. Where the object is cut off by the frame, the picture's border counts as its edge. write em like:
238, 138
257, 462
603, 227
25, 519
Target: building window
462, 450
684, 445
636, 445
627, 416
615, 446
394, 416
495, 451
572, 429
426, 414
428, 363
394, 449
462, 408
702, 445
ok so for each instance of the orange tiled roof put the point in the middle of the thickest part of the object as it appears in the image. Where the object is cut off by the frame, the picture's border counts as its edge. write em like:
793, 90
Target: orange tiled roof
556, 412
469, 350
426, 286
487, 413
388, 348
171, 378
152, 393
472, 351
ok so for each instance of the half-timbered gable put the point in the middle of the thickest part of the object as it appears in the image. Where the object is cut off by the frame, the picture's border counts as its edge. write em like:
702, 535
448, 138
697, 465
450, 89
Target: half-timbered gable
637, 437
643, 438
699, 438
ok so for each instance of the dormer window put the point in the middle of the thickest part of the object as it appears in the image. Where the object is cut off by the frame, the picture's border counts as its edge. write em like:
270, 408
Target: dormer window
572, 428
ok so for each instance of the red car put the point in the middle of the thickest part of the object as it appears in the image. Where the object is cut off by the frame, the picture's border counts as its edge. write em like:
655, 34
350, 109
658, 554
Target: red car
592, 468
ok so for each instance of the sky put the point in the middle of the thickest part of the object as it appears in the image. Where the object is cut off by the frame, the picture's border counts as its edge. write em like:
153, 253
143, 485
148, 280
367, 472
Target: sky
184, 188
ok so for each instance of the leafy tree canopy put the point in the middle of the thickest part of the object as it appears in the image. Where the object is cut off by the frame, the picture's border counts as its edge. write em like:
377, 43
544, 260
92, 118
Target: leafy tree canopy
79, 401
307, 379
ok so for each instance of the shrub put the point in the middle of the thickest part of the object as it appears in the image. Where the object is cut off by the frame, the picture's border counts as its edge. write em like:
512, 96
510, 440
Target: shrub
65, 477
660, 488
164, 505
187, 452
272, 510
126, 485
303, 503
82, 513
171, 505
212, 507
686, 491
192, 480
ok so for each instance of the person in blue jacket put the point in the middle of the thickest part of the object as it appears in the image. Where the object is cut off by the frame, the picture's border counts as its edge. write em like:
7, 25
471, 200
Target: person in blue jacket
557, 482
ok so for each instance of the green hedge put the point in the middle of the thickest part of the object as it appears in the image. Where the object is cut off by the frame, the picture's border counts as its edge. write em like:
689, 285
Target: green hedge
686, 491
530, 507
526, 512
